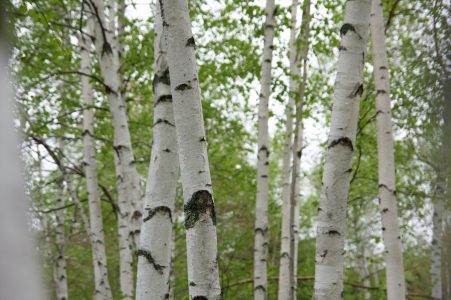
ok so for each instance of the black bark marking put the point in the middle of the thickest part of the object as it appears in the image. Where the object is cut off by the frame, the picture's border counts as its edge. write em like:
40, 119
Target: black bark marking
381, 92
267, 60
264, 176
192, 283
358, 90
383, 228
200, 298
269, 26
163, 99
183, 87
167, 150
163, 78
344, 141
348, 170
201, 202
341, 48
345, 28
264, 148
323, 255
260, 287
387, 188
383, 68
136, 214
271, 47
162, 121
106, 48
333, 232
158, 209
148, 256
261, 230
299, 154
202, 139
379, 112
385, 210
191, 42
285, 254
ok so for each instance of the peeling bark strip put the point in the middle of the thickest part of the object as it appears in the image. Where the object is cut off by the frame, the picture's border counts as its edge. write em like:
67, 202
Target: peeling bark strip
201, 203
156, 232
148, 256
396, 289
331, 225
195, 172
158, 209
261, 203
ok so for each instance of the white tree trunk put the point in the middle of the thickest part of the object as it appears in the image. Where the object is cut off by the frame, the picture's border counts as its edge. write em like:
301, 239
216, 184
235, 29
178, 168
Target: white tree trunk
127, 177
331, 224
396, 288
101, 282
19, 272
155, 249
59, 266
284, 267
436, 253
261, 205
200, 217
295, 195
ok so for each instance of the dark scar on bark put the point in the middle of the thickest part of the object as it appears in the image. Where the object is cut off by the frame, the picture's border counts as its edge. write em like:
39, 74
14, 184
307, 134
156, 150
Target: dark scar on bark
345, 141
148, 256
200, 298
201, 202
163, 98
159, 121
345, 28
260, 287
333, 232
191, 42
158, 209
183, 87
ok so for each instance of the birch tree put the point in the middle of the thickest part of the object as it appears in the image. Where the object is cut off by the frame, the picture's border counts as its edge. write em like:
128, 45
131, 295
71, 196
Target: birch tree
18, 262
284, 267
59, 265
331, 223
297, 153
155, 249
200, 216
261, 205
396, 288
101, 281
436, 253
127, 177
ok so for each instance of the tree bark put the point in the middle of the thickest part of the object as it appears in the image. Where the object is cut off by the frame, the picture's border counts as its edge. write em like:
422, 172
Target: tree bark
396, 288
436, 258
284, 267
200, 216
19, 272
101, 281
261, 206
59, 266
331, 224
295, 195
155, 249
127, 177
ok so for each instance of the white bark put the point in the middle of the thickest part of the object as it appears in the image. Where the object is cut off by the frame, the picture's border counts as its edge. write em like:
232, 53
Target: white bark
396, 288
436, 254
331, 224
19, 272
295, 195
127, 177
261, 205
59, 266
284, 268
155, 249
200, 217
101, 282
